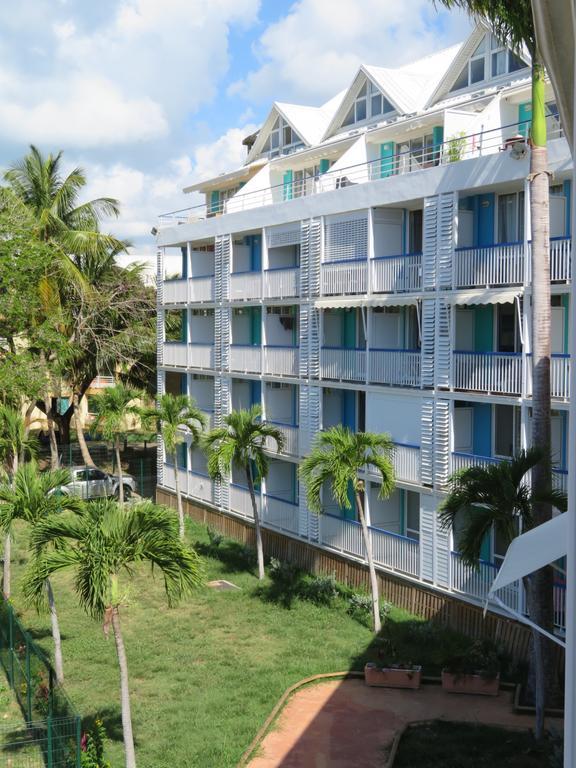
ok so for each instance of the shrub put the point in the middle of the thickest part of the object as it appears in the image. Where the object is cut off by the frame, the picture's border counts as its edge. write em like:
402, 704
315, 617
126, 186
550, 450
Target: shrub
321, 590
92, 754
456, 147
215, 537
360, 608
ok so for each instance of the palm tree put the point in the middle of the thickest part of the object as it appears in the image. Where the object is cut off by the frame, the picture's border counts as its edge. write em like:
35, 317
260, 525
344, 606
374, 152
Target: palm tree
16, 445
31, 497
175, 415
242, 443
103, 544
337, 457
115, 407
499, 498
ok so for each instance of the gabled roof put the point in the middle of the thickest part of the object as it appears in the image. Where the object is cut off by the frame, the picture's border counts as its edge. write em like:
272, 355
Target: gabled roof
459, 62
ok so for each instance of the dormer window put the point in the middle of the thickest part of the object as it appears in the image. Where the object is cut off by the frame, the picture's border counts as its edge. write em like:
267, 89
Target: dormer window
282, 140
491, 59
369, 103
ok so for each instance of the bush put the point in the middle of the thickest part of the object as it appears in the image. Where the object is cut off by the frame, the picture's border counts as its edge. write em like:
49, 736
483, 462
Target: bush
286, 582
321, 590
215, 537
92, 754
360, 608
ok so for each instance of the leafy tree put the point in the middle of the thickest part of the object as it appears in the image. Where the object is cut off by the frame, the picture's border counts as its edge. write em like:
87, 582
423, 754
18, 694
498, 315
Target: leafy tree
115, 408
337, 457
15, 447
513, 23
176, 415
103, 545
31, 497
498, 498
242, 443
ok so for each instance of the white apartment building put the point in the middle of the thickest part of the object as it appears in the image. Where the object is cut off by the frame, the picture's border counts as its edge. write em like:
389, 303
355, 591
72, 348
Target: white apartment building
369, 265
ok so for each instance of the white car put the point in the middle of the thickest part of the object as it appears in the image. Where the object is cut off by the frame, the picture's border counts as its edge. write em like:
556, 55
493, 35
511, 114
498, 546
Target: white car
94, 483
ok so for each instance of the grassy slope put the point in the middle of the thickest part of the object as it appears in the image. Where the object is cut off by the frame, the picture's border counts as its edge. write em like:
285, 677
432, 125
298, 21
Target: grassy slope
203, 676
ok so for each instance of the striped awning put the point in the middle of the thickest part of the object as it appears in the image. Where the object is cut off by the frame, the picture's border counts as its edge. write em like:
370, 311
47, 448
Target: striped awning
393, 300
483, 297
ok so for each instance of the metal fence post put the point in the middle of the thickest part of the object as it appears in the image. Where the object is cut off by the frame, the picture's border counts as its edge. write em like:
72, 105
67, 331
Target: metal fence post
78, 742
49, 755
28, 680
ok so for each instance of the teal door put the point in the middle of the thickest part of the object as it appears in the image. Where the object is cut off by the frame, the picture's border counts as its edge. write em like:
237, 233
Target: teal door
387, 159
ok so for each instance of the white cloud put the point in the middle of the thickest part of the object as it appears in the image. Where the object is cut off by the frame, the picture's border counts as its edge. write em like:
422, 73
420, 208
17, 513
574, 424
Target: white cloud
64, 30
312, 53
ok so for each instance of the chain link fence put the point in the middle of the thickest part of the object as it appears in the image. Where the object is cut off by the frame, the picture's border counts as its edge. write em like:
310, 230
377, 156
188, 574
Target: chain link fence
51, 737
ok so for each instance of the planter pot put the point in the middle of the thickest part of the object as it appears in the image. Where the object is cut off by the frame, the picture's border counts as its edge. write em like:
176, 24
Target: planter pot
453, 682
393, 677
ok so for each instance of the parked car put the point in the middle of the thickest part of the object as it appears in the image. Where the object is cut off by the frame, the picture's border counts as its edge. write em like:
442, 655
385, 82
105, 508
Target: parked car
94, 483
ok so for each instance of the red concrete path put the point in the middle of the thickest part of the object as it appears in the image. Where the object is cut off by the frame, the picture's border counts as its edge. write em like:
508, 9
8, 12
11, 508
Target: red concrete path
344, 723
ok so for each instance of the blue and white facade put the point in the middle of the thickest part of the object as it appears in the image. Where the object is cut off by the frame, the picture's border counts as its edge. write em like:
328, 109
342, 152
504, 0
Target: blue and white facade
369, 266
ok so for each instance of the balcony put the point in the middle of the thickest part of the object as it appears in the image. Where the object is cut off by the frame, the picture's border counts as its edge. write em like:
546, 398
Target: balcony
490, 266
340, 278
407, 463
201, 288
559, 377
175, 353
290, 434
240, 501
245, 358
396, 367
281, 283
462, 460
200, 487
170, 478
245, 286
175, 292
397, 274
560, 259
490, 372
341, 364
280, 514
280, 361
201, 356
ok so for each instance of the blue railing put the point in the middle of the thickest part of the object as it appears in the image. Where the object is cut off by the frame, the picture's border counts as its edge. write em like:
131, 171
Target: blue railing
346, 349
281, 346
487, 354
347, 261
282, 269
398, 256
390, 349
200, 277
406, 445
370, 527
278, 498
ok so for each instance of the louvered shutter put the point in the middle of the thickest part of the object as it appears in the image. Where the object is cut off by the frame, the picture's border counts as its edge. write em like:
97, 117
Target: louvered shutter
315, 235
304, 339
428, 350
443, 346
218, 269
446, 236
346, 237
218, 338
314, 343
225, 410
304, 258
226, 242
430, 245
427, 441
287, 234
226, 320
441, 442
427, 535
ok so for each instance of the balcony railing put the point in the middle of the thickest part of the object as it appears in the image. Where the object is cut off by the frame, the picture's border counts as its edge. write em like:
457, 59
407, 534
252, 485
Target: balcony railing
280, 361
175, 353
200, 486
240, 501
493, 265
290, 434
201, 356
338, 278
496, 372
380, 170
341, 364
397, 274
245, 285
281, 283
280, 514
201, 288
176, 291
559, 376
245, 358
462, 460
560, 259
397, 367
407, 462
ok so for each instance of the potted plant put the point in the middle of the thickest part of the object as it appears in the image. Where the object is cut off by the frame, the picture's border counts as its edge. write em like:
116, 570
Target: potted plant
475, 671
392, 672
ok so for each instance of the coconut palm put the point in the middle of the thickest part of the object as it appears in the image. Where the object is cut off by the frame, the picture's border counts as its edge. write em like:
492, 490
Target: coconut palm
177, 419
16, 445
337, 457
32, 496
116, 407
500, 498
242, 443
103, 545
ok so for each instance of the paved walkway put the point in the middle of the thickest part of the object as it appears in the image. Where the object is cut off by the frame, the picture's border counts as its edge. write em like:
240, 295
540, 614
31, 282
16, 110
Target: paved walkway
345, 723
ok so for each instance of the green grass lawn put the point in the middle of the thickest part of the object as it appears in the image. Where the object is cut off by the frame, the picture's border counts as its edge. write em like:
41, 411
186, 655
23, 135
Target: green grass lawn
17, 749
461, 745
204, 675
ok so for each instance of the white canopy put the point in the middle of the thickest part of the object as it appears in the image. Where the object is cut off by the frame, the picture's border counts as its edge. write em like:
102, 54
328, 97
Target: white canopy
482, 297
395, 300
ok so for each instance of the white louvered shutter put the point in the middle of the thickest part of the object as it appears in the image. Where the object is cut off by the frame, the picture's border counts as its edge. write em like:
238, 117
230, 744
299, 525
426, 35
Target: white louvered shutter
441, 443
446, 238
305, 258
303, 341
226, 315
427, 441
315, 236
428, 350
430, 245
346, 237
218, 338
225, 410
218, 269
314, 343
287, 234
427, 536
226, 244
443, 345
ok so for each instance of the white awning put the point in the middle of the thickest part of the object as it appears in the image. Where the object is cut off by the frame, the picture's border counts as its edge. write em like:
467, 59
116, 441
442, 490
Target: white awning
533, 550
396, 300
482, 297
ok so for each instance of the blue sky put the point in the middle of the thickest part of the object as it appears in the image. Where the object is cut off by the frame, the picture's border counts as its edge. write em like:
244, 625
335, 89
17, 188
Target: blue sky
151, 95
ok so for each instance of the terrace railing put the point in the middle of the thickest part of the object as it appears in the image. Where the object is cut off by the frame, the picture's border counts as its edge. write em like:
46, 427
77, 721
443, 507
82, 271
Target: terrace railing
497, 372
281, 283
347, 276
343, 364
396, 367
397, 274
280, 361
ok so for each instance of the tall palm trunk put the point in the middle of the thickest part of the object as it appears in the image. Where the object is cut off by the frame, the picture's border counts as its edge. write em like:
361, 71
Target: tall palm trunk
541, 603
258, 530
6, 570
373, 579
54, 455
130, 756
86, 457
58, 663
119, 470
178, 497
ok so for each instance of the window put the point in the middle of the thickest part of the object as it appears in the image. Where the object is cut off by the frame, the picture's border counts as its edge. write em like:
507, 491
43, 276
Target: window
511, 217
490, 59
506, 430
369, 103
416, 153
415, 231
282, 140
412, 515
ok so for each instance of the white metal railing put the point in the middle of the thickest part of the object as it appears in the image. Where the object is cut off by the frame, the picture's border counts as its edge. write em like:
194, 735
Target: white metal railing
290, 434
281, 283
488, 372
460, 460
280, 514
100, 382
407, 462
246, 359
501, 264
280, 361
559, 376
342, 364
175, 353
241, 503
341, 535
560, 259
487, 142
175, 291
344, 277
200, 486
201, 288
397, 367
397, 274
246, 285
201, 355
397, 552
168, 476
